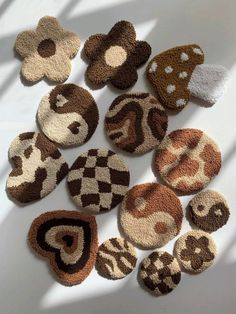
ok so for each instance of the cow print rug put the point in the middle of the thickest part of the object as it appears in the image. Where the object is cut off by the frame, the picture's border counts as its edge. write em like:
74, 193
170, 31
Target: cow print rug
38, 167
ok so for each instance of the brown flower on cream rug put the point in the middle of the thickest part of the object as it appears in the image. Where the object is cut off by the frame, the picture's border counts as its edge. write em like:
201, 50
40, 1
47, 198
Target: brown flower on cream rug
47, 51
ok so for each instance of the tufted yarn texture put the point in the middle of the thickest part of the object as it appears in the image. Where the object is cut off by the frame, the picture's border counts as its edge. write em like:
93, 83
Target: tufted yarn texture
195, 251
116, 258
136, 122
209, 210
68, 115
187, 160
116, 56
38, 167
150, 215
68, 241
47, 51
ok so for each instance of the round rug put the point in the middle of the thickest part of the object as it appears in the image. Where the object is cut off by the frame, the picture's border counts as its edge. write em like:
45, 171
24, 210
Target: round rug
136, 122
116, 258
98, 180
187, 160
151, 215
209, 210
195, 251
160, 273
68, 115
68, 240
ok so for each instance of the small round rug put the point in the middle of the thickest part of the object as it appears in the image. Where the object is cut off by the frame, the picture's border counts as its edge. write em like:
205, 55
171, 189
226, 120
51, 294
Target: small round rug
116, 258
209, 210
160, 273
195, 251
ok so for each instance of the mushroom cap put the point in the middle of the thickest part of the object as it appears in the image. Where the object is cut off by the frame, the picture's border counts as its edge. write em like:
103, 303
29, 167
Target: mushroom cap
170, 73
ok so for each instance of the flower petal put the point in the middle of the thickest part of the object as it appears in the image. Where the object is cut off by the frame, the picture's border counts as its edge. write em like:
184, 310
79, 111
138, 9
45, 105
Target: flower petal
204, 242
207, 256
26, 43
48, 25
142, 53
122, 33
69, 42
33, 68
125, 77
191, 243
58, 67
196, 262
186, 254
92, 47
98, 72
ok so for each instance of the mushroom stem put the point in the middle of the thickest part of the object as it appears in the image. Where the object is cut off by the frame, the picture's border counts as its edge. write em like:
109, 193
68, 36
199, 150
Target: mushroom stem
208, 82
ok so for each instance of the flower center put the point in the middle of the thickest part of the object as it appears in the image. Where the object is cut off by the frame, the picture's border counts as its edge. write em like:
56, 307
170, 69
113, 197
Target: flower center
197, 250
115, 56
46, 48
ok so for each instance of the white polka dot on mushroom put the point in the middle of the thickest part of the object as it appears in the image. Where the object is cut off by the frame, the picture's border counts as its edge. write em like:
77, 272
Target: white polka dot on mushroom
170, 88
180, 102
183, 75
184, 56
153, 67
168, 69
197, 51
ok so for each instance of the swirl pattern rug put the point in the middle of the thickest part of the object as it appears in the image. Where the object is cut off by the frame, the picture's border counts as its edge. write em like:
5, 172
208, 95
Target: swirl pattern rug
136, 122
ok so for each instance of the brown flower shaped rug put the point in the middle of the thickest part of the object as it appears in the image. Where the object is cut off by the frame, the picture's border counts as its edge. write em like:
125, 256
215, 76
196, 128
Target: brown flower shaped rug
68, 115
68, 240
38, 167
136, 122
47, 51
98, 180
187, 160
209, 210
151, 215
160, 273
195, 251
116, 56
116, 258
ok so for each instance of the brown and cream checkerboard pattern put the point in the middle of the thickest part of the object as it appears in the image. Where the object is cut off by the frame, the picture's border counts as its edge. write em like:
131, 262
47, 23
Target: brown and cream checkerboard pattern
98, 180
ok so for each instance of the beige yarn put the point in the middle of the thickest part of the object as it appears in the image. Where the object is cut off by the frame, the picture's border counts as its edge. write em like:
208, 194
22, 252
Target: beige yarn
56, 67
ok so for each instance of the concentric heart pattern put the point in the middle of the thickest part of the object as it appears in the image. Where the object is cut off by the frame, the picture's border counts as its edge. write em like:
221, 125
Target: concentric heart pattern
68, 240
150, 214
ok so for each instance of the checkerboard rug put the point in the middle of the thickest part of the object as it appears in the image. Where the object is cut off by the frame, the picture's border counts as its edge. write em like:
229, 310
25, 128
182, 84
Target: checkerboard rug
98, 180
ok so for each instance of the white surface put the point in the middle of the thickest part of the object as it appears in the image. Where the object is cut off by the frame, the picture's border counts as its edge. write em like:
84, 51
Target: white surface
26, 286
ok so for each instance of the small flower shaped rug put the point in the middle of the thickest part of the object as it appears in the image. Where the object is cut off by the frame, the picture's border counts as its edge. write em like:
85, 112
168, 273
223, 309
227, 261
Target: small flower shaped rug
116, 56
47, 51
